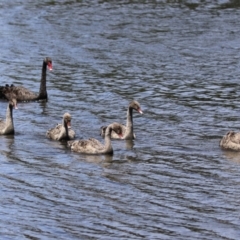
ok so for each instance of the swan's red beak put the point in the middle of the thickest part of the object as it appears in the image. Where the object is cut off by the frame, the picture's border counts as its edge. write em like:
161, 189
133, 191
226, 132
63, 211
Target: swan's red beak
49, 66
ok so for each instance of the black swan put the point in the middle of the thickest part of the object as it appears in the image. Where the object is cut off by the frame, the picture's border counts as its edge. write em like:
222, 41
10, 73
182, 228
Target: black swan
22, 93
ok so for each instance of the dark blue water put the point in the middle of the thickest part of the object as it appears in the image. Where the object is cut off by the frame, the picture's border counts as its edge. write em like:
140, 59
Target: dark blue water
180, 60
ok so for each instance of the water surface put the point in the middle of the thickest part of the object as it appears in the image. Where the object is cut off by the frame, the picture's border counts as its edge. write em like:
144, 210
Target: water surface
180, 60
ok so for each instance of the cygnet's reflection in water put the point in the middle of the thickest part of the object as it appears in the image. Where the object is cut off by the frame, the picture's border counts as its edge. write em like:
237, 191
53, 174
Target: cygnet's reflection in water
105, 159
6, 147
123, 145
129, 144
57, 144
233, 156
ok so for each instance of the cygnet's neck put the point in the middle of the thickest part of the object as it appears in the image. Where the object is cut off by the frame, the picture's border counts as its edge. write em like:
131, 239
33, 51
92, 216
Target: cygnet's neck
107, 139
64, 131
9, 119
129, 126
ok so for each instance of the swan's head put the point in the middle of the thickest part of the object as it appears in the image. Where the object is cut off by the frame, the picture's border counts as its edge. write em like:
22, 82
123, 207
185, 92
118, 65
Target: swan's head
48, 61
67, 119
10, 95
135, 105
8, 92
13, 103
116, 127
102, 131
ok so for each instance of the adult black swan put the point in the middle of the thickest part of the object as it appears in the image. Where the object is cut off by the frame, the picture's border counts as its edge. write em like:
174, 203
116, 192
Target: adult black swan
23, 94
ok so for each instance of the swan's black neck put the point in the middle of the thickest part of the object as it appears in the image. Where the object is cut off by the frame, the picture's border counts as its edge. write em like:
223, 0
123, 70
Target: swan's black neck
43, 87
66, 128
130, 117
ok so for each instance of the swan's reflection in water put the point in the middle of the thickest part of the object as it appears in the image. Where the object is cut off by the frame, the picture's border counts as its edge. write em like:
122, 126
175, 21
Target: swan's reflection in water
122, 144
7, 145
232, 156
60, 145
129, 144
104, 160
43, 105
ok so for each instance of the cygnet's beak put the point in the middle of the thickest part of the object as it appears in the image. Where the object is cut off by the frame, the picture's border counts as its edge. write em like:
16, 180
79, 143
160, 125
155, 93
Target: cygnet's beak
120, 135
69, 125
140, 111
15, 106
